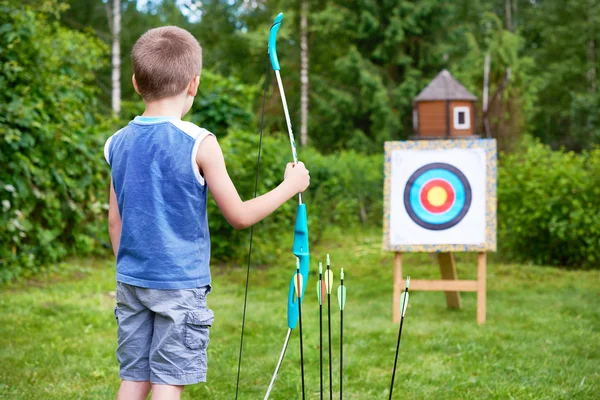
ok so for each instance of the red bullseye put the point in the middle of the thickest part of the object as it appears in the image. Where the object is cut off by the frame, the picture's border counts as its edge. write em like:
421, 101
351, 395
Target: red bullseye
437, 196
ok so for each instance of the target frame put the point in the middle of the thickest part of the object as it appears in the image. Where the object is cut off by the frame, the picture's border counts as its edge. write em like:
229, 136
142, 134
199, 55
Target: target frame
490, 149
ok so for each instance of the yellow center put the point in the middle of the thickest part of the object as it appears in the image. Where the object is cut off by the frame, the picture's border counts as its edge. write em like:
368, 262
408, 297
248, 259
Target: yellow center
437, 196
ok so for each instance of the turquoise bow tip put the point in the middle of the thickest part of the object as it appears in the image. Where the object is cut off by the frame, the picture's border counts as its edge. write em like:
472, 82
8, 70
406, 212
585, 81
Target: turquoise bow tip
273, 41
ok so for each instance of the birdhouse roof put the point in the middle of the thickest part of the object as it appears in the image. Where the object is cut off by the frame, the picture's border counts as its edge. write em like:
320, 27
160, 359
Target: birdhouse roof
444, 87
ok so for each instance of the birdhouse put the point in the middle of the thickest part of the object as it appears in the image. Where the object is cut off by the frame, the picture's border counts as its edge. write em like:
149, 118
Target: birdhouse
444, 109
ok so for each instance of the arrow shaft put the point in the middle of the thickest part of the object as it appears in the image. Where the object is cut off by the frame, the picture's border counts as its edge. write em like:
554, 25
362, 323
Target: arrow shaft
329, 347
320, 295
341, 352
396, 357
403, 306
300, 324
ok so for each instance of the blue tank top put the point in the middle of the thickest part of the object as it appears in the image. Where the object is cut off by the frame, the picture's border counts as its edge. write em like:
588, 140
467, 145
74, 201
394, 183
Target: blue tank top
161, 196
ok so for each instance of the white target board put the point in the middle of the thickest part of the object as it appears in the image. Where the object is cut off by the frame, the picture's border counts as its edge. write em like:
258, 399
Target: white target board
440, 195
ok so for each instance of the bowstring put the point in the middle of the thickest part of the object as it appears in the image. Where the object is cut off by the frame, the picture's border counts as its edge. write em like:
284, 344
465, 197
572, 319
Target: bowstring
262, 118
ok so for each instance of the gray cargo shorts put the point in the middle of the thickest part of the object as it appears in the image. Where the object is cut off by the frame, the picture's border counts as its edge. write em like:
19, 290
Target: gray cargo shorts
162, 334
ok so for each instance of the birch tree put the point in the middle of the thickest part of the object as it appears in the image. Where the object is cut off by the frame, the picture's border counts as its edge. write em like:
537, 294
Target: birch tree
116, 56
303, 73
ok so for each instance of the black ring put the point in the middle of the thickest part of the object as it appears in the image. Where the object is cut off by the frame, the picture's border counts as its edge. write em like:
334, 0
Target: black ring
453, 221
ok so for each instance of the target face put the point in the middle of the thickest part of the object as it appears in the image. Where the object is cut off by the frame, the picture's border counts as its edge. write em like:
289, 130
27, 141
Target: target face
440, 195
437, 196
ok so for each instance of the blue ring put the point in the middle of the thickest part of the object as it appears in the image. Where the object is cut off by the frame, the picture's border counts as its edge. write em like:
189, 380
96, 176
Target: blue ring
459, 196
462, 200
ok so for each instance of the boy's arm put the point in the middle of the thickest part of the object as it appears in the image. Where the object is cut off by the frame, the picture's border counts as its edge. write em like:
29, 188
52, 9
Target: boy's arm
114, 220
238, 213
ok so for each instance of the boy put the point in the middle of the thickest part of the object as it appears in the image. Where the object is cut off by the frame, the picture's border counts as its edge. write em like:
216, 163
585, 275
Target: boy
161, 169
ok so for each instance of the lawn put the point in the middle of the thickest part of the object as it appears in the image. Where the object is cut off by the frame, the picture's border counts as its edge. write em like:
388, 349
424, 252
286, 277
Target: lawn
541, 339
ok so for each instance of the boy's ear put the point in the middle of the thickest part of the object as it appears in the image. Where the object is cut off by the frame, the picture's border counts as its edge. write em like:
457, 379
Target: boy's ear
193, 86
135, 86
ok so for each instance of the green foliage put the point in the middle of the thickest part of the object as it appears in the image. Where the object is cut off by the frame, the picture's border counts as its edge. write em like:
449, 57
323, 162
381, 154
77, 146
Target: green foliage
223, 103
270, 238
548, 209
346, 189
512, 108
564, 42
52, 184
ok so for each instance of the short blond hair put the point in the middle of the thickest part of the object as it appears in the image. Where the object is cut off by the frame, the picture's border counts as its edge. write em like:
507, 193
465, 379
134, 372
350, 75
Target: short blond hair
165, 60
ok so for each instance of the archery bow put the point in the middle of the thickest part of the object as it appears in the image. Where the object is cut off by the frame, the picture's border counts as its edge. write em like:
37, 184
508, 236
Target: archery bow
300, 246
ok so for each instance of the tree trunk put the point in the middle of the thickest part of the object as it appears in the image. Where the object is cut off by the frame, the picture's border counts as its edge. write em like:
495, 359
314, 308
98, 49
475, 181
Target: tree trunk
592, 63
116, 57
591, 51
303, 74
508, 14
486, 85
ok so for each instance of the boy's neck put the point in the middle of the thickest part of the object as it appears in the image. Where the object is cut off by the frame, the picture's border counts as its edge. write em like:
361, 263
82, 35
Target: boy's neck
168, 107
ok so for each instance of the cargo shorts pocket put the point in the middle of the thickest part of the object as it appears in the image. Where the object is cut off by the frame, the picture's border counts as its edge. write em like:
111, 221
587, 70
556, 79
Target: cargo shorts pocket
196, 328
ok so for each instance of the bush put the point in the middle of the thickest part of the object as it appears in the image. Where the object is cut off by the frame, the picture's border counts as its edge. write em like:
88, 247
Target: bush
345, 190
548, 208
53, 180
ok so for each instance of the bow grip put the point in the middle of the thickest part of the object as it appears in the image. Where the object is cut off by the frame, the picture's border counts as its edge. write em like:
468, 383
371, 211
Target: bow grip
300, 250
273, 42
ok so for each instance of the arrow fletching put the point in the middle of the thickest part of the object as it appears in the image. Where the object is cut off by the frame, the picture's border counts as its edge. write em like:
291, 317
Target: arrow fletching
320, 290
404, 303
342, 293
320, 285
298, 282
328, 280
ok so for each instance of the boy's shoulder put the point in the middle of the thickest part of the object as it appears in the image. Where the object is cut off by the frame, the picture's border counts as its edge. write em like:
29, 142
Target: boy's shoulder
107, 144
191, 129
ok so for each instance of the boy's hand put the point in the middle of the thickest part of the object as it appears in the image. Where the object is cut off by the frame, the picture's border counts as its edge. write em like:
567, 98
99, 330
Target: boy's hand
297, 175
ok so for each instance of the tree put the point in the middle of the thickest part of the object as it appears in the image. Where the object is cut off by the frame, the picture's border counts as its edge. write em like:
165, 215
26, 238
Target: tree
304, 73
116, 56
563, 42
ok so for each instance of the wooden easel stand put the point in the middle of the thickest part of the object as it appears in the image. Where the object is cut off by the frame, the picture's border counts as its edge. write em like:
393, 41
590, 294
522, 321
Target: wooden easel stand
449, 284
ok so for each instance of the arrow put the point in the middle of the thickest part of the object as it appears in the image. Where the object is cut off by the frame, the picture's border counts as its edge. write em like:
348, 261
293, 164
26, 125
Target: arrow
403, 305
328, 285
342, 303
320, 291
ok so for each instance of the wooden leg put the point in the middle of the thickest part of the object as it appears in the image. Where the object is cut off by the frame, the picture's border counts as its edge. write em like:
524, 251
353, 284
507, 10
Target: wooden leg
397, 287
481, 287
448, 270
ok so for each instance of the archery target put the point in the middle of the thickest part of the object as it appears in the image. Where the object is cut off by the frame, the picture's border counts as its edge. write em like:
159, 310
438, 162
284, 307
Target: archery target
437, 197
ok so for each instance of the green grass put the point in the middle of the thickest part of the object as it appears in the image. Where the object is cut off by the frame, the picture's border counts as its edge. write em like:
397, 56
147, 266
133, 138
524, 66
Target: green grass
541, 339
